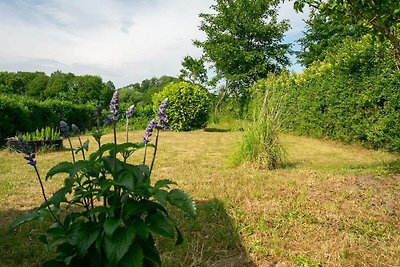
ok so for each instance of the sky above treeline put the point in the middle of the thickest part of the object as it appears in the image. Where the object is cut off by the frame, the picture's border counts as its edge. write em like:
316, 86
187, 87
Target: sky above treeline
125, 41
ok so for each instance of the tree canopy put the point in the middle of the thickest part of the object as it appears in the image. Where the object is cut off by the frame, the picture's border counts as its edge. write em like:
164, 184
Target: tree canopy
244, 40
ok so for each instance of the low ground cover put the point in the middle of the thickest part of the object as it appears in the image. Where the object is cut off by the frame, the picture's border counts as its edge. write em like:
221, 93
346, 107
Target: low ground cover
334, 205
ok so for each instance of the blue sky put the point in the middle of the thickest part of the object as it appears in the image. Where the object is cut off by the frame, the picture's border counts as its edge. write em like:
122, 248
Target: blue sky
124, 41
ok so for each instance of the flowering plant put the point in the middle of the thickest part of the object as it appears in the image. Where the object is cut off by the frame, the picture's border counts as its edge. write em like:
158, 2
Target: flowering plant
108, 211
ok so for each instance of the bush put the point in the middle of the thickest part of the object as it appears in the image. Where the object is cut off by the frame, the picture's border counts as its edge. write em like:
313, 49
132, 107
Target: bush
260, 145
189, 105
22, 114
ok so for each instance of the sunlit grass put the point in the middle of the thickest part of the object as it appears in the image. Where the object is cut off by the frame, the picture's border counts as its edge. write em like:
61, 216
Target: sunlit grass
334, 205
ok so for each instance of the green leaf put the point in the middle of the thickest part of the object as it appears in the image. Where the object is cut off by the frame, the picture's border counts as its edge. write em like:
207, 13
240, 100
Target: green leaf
163, 183
161, 224
87, 235
63, 167
118, 245
110, 164
99, 153
27, 217
134, 257
183, 201
125, 179
162, 196
58, 197
110, 225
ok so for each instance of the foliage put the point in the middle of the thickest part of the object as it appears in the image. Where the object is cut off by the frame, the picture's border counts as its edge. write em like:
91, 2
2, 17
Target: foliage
189, 105
23, 114
351, 96
322, 35
244, 41
381, 18
47, 133
61, 86
113, 210
260, 144
193, 70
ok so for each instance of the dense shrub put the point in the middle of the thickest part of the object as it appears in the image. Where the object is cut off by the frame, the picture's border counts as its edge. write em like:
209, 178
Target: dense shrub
353, 96
189, 105
21, 114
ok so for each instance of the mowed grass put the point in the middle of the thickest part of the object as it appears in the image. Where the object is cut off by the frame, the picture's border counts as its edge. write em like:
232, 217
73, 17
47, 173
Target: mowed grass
333, 205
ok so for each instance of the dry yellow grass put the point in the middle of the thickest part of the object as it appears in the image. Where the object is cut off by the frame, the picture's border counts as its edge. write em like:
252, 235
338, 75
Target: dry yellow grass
335, 205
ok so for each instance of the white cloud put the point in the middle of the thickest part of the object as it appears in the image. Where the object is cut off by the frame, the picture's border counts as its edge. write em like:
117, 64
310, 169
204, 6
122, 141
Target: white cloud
122, 40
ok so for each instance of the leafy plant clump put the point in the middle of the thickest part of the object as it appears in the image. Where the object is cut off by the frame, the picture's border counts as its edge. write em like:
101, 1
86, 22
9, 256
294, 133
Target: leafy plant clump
189, 105
108, 211
47, 133
260, 145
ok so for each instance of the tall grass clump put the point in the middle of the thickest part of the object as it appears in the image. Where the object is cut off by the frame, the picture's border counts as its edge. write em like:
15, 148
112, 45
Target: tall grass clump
260, 145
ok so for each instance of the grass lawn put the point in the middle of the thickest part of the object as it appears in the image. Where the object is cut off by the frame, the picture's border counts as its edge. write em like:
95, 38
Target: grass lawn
334, 205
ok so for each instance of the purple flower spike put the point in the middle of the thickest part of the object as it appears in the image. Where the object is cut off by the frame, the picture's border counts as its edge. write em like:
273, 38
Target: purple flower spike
129, 112
149, 131
75, 129
161, 110
64, 128
27, 150
114, 107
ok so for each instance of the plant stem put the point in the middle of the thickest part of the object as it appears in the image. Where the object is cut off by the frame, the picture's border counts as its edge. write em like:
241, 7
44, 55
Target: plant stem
45, 198
83, 152
72, 150
127, 129
145, 153
155, 151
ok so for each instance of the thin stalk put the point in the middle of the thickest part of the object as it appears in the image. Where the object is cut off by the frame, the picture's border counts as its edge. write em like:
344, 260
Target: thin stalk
127, 129
145, 154
72, 150
45, 198
155, 151
83, 152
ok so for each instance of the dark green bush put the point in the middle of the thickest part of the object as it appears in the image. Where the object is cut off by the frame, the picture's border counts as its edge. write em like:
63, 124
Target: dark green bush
188, 105
21, 114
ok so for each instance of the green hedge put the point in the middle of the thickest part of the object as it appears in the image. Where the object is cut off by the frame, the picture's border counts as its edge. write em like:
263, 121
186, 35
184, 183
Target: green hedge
353, 96
21, 114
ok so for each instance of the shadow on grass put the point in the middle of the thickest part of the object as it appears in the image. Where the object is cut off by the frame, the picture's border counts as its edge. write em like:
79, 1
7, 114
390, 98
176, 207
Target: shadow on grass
209, 240
21, 247
216, 130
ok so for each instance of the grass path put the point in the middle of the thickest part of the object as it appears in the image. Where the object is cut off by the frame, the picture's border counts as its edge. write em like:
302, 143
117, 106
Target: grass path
334, 205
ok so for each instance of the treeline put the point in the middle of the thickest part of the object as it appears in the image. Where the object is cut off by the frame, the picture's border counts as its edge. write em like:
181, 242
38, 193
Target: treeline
59, 85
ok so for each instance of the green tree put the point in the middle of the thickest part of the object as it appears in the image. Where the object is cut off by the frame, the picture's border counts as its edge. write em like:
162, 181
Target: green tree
381, 18
193, 70
244, 41
322, 35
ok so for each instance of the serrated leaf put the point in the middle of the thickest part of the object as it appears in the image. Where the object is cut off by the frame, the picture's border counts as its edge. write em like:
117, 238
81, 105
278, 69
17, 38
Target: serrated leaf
134, 257
117, 246
58, 197
163, 183
162, 196
110, 225
27, 217
63, 167
183, 201
87, 233
161, 224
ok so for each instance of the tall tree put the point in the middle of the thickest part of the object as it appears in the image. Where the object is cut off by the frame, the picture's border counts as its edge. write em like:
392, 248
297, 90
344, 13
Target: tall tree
244, 40
322, 35
193, 70
381, 17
